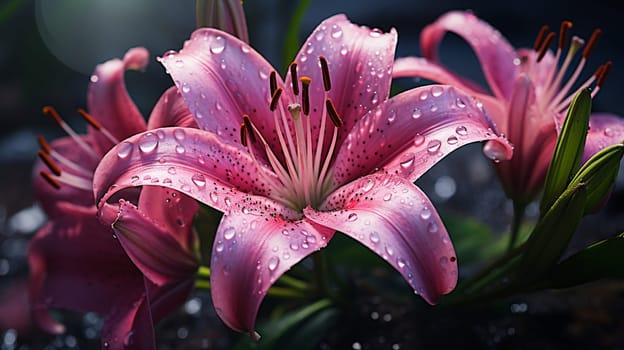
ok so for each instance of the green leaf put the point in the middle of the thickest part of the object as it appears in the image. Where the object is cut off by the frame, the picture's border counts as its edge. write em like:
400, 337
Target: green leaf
552, 233
600, 260
568, 150
598, 175
292, 43
275, 333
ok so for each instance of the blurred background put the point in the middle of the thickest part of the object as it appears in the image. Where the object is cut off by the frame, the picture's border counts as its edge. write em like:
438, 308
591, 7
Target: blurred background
48, 50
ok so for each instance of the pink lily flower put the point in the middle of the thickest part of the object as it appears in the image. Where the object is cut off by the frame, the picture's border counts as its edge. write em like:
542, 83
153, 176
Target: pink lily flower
76, 263
529, 94
291, 162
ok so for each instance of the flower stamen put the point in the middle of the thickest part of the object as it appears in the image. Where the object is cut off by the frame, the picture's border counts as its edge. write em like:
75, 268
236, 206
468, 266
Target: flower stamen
325, 72
293, 78
94, 123
540, 37
52, 181
49, 110
305, 94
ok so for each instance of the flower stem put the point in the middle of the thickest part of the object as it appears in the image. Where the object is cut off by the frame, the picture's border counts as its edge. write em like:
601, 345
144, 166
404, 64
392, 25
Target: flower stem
519, 208
202, 284
203, 272
294, 282
285, 293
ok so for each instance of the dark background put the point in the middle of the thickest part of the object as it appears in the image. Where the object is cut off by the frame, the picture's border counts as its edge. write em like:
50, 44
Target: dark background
49, 48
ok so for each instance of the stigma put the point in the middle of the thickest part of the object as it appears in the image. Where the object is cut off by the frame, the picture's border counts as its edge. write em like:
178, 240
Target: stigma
302, 161
555, 94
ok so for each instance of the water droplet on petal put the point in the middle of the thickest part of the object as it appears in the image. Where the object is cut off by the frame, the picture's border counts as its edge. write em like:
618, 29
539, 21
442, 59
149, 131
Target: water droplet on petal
401, 263
186, 88
495, 150
419, 140
135, 178
124, 150
375, 33
294, 246
344, 51
179, 134
219, 246
368, 185
389, 250
217, 45
437, 91
352, 217
214, 197
407, 161
180, 149
285, 232
229, 233
460, 103
374, 98
608, 132
452, 140
374, 237
416, 113
148, 142
273, 263
461, 130
199, 180
227, 201
387, 197
423, 95
336, 31
171, 170
434, 146
425, 213
432, 227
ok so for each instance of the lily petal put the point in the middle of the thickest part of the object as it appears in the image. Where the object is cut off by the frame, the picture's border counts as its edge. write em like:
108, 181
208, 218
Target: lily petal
222, 78
108, 100
153, 248
251, 252
197, 163
413, 131
360, 64
604, 130
393, 218
492, 49
104, 280
171, 110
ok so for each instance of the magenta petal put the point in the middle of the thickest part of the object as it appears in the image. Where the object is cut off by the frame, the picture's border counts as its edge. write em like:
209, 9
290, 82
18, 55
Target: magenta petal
129, 328
108, 100
192, 161
221, 78
103, 280
171, 110
251, 251
393, 218
360, 64
605, 130
414, 130
154, 249
492, 49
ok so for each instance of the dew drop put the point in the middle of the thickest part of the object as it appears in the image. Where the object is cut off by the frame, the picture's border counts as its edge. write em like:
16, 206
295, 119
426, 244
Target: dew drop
171, 170
419, 140
416, 113
311, 239
407, 161
285, 232
387, 197
425, 213
217, 45
213, 197
180, 149
167, 181
179, 134
294, 246
389, 250
392, 116
608, 132
273, 263
344, 51
423, 95
433, 108
432, 227
352, 217
433, 146
336, 31
368, 185
124, 150
227, 201
374, 237
495, 150
375, 33
219, 246
461, 130
199, 180
460, 103
437, 91
375, 98
148, 142
229, 233
135, 178
452, 140
319, 36
186, 88
401, 263
245, 49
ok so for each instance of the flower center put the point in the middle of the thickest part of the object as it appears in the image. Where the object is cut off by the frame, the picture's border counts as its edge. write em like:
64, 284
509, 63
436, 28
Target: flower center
302, 167
553, 94
75, 175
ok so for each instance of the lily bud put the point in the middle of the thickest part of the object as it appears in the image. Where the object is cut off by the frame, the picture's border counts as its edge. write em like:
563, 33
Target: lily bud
227, 15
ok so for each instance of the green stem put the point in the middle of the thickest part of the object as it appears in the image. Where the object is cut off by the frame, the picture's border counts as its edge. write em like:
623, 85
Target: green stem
294, 282
203, 272
286, 293
519, 208
202, 284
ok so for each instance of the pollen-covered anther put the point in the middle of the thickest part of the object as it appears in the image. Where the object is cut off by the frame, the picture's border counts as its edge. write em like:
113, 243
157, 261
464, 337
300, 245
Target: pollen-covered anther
89, 119
243, 134
293, 78
564, 30
273, 82
52, 181
275, 99
305, 94
49, 163
51, 111
591, 43
542, 50
604, 72
333, 114
325, 72
45, 147
540, 37
249, 128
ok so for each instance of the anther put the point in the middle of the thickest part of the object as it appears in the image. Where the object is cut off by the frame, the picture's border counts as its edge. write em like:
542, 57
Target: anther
540, 37
591, 43
44, 144
545, 45
243, 134
564, 30
89, 119
247, 124
325, 71
333, 115
52, 181
49, 163
273, 81
606, 69
49, 110
305, 94
293, 78
275, 99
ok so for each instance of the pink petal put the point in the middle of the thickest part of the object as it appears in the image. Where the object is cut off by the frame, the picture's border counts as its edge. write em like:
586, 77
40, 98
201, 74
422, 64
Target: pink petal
252, 249
221, 79
197, 163
108, 100
171, 110
129, 328
413, 131
103, 280
418, 67
492, 49
154, 248
360, 64
605, 130
393, 218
